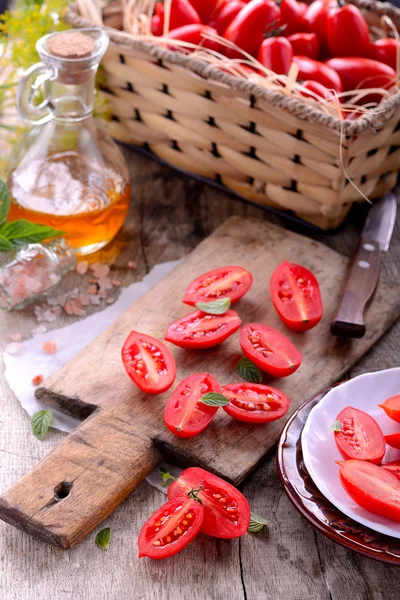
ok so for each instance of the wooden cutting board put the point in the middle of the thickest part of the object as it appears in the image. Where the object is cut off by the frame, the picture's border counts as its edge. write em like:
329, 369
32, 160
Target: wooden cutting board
123, 436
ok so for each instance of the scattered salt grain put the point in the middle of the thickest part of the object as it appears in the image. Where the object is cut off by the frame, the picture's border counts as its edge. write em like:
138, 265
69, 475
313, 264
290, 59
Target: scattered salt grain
14, 348
116, 282
74, 307
132, 265
84, 299
92, 289
110, 300
39, 330
102, 294
37, 380
49, 347
44, 314
101, 271
95, 300
15, 337
105, 283
82, 267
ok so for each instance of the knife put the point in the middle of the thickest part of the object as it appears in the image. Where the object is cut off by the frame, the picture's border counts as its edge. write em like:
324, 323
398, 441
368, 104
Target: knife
363, 275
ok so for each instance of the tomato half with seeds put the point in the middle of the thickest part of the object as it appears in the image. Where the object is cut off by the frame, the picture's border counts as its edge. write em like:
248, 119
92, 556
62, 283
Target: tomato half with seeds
171, 528
372, 487
296, 296
184, 415
269, 349
226, 510
391, 406
200, 330
393, 440
360, 436
254, 402
148, 363
226, 282
393, 468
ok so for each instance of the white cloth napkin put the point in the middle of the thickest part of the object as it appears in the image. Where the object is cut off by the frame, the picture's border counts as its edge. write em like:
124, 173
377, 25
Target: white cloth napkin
70, 340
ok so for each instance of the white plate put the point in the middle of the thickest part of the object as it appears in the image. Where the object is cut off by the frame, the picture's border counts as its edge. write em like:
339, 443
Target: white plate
319, 447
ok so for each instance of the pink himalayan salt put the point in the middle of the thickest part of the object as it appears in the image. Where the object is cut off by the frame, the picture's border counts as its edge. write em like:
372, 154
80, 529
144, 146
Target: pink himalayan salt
82, 267
49, 347
14, 348
132, 265
100, 271
110, 300
37, 380
105, 283
116, 282
15, 337
92, 290
74, 307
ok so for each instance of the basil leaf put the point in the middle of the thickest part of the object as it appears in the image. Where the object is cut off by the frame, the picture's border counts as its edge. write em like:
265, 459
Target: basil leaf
214, 399
216, 307
40, 423
5, 244
103, 538
24, 232
256, 524
249, 371
5, 201
336, 426
165, 476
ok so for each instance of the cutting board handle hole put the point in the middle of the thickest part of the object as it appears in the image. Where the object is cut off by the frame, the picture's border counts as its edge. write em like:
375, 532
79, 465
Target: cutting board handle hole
62, 490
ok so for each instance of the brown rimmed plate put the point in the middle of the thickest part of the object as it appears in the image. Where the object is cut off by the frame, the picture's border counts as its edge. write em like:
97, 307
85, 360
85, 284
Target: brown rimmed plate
309, 501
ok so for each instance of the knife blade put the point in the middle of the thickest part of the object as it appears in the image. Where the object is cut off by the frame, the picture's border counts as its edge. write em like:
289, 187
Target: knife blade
363, 275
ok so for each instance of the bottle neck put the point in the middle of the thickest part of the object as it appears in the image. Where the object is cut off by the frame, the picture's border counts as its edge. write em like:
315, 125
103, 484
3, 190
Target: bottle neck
73, 99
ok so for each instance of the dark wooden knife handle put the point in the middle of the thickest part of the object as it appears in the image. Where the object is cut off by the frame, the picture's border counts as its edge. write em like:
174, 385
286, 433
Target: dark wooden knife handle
358, 291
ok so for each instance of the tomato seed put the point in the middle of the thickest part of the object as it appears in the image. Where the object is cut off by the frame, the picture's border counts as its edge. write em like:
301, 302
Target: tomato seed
157, 543
168, 538
223, 500
189, 516
179, 530
184, 522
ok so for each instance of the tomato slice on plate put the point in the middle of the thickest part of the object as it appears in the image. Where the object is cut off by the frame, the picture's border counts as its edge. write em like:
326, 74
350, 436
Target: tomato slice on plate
227, 282
200, 330
254, 402
360, 436
393, 467
296, 296
226, 510
148, 363
391, 406
393, 440
269, 349
184, 415
171, 528
372, 487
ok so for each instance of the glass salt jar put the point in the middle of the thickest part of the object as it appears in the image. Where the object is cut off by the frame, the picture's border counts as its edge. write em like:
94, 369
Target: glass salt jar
67, 172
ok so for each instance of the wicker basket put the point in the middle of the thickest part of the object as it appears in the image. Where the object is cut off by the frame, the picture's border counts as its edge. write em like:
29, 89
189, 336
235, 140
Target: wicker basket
272, 149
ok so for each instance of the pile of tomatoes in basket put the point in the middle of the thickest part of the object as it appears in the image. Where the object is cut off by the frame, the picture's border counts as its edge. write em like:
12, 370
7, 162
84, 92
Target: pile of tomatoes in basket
329, 41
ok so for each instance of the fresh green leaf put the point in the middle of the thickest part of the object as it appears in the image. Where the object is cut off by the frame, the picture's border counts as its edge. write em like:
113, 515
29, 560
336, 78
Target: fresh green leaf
5, 201
24, 232
40, 423
165, 476
256, 524
249, 371
216, 307
214, 399
5, 244
103, 538
336, 426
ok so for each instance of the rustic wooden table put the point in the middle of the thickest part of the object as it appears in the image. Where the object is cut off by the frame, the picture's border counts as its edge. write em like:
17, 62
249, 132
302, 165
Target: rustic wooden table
169, 216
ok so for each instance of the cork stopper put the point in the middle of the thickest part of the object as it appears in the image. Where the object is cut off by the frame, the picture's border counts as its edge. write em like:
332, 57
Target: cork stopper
71, 45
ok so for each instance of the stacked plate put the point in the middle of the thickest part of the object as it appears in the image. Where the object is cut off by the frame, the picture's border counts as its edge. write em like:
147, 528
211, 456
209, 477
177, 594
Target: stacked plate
306, 463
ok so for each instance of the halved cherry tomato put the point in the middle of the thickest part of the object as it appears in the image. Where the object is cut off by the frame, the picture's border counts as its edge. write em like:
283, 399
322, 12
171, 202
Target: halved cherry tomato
360, 436
184, 415
148, 363
305, 44
292, 15
315, 20
171, 528
195, 34
276, 54
363, 73
296, 296
226, 282
393, 440
318, 71
391, 406
319, 90
182, 13
224, 17
385, 51
226, 510
372, 487
269, 349
200, 330
347, 32
393, 467
254, 402
248, 27
207, 8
